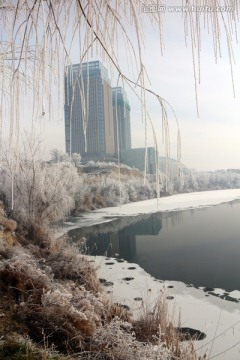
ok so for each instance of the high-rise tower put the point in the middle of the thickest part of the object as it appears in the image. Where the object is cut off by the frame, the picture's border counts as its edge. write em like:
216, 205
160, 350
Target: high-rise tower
89, 128
121, 118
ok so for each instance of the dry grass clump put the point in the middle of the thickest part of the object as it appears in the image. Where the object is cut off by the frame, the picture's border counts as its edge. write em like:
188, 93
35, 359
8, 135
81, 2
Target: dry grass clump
20, 348
92, 200
153, 323
68, 264
7, 228
1, 210
38, 235
6, 241
69, 314
22, 278
154, 327
9, 225
118, 340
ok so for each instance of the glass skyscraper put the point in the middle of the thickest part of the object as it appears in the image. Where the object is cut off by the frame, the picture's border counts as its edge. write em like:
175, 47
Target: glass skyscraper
89, 127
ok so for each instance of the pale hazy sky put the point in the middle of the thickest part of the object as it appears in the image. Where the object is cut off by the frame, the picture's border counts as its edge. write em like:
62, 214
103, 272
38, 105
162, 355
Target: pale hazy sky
211, 141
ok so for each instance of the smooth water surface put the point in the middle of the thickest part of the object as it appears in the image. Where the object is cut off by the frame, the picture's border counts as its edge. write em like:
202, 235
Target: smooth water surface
197, 246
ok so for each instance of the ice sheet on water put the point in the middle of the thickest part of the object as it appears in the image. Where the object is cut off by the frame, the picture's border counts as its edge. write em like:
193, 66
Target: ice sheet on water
218, 318
172, 203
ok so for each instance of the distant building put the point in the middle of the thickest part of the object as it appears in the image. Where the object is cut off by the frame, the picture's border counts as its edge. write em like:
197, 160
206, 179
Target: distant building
136, 158
89, 128
121, 118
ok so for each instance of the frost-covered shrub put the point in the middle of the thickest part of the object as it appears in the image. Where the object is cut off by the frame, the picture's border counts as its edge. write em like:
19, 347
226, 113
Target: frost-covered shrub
118, 341
78, 308
138, 191
22, 276
65, 312
68, 264
114, 191
97, 191
59, 156
211, 180
37, 192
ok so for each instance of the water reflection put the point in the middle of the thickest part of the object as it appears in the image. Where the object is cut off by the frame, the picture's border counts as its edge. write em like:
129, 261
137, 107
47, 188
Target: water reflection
118, 236
197, 246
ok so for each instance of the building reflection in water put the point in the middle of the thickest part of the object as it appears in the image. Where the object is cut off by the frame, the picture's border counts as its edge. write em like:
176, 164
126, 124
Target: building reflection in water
119, 236
126, 238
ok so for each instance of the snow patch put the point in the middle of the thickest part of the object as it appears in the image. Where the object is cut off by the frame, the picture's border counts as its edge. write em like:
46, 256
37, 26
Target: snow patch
218, 318
173, 203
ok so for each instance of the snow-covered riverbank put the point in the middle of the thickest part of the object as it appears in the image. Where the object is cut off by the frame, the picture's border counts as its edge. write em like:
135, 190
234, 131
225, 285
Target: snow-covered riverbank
169, 203
173, 203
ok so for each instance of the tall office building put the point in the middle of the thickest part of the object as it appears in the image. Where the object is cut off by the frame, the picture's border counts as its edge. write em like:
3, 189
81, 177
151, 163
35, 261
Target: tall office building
89, 128
121, 118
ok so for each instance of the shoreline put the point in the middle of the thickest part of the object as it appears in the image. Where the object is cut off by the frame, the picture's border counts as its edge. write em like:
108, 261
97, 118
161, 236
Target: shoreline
177, 202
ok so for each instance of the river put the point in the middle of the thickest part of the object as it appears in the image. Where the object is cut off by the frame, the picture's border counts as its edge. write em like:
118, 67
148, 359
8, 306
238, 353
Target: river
195, 246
